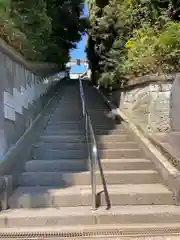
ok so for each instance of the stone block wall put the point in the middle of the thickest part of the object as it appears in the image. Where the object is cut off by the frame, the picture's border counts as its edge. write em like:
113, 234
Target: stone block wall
22, 97
147, 105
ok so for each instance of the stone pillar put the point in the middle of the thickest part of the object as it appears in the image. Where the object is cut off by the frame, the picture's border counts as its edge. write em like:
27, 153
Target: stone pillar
175, 104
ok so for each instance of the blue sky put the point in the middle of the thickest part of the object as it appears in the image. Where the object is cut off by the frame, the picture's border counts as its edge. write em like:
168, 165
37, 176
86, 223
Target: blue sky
79, 51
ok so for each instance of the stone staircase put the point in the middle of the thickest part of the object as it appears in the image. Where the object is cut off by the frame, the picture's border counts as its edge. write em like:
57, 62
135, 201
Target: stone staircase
54, 192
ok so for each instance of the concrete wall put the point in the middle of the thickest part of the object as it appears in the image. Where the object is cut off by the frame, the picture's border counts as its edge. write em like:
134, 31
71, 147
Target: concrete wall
155, 107
22, 97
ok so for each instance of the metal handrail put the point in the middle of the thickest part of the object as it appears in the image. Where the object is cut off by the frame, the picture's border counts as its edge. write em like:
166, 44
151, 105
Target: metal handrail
94, 159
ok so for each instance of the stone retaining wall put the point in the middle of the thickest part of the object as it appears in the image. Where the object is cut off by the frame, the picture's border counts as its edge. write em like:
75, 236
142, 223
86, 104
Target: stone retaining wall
154, 106
23, 94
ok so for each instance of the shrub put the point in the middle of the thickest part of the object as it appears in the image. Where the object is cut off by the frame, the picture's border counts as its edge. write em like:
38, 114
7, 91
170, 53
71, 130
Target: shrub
152, 51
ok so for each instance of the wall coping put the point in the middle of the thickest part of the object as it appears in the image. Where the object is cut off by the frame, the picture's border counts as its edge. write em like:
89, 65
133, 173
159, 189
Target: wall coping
146, 80
38, 68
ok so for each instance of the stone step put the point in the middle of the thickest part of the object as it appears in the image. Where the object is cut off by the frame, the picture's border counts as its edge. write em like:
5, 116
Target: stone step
62, 124
75, 165
101, 114
81, 131
80, 138
99, 121
99, 110
118, 145
108, 125
118, 131
95, 102
69, 117
61, 114
48, 154
64, 131
70, 165
65, 139
120, 153
141, 194
126, 164
55, 123
157, 231
80, 124
61, 145
79, 146
114, 138
65, 179
68, 216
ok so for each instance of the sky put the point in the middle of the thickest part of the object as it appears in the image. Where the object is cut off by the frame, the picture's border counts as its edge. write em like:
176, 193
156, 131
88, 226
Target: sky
79, 51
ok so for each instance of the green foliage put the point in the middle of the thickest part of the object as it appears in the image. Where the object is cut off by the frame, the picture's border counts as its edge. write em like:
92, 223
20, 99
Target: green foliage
132, 38
8, 30
4, 7
152, 51
43, 30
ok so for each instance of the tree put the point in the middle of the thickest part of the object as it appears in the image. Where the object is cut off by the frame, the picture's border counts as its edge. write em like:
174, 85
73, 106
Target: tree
43, 30
130, 38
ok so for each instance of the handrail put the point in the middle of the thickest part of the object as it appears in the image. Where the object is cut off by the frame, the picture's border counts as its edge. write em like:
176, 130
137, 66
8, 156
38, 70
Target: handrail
94, 159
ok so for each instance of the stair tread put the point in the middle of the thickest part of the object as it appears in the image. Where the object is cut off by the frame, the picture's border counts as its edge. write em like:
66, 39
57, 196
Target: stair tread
130, 142
60, 160
79, 177
54, 122
107, 171
60, 135
81, 146
74, 190
84, 150
128, 160
86, 210
55, 165
120, 150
